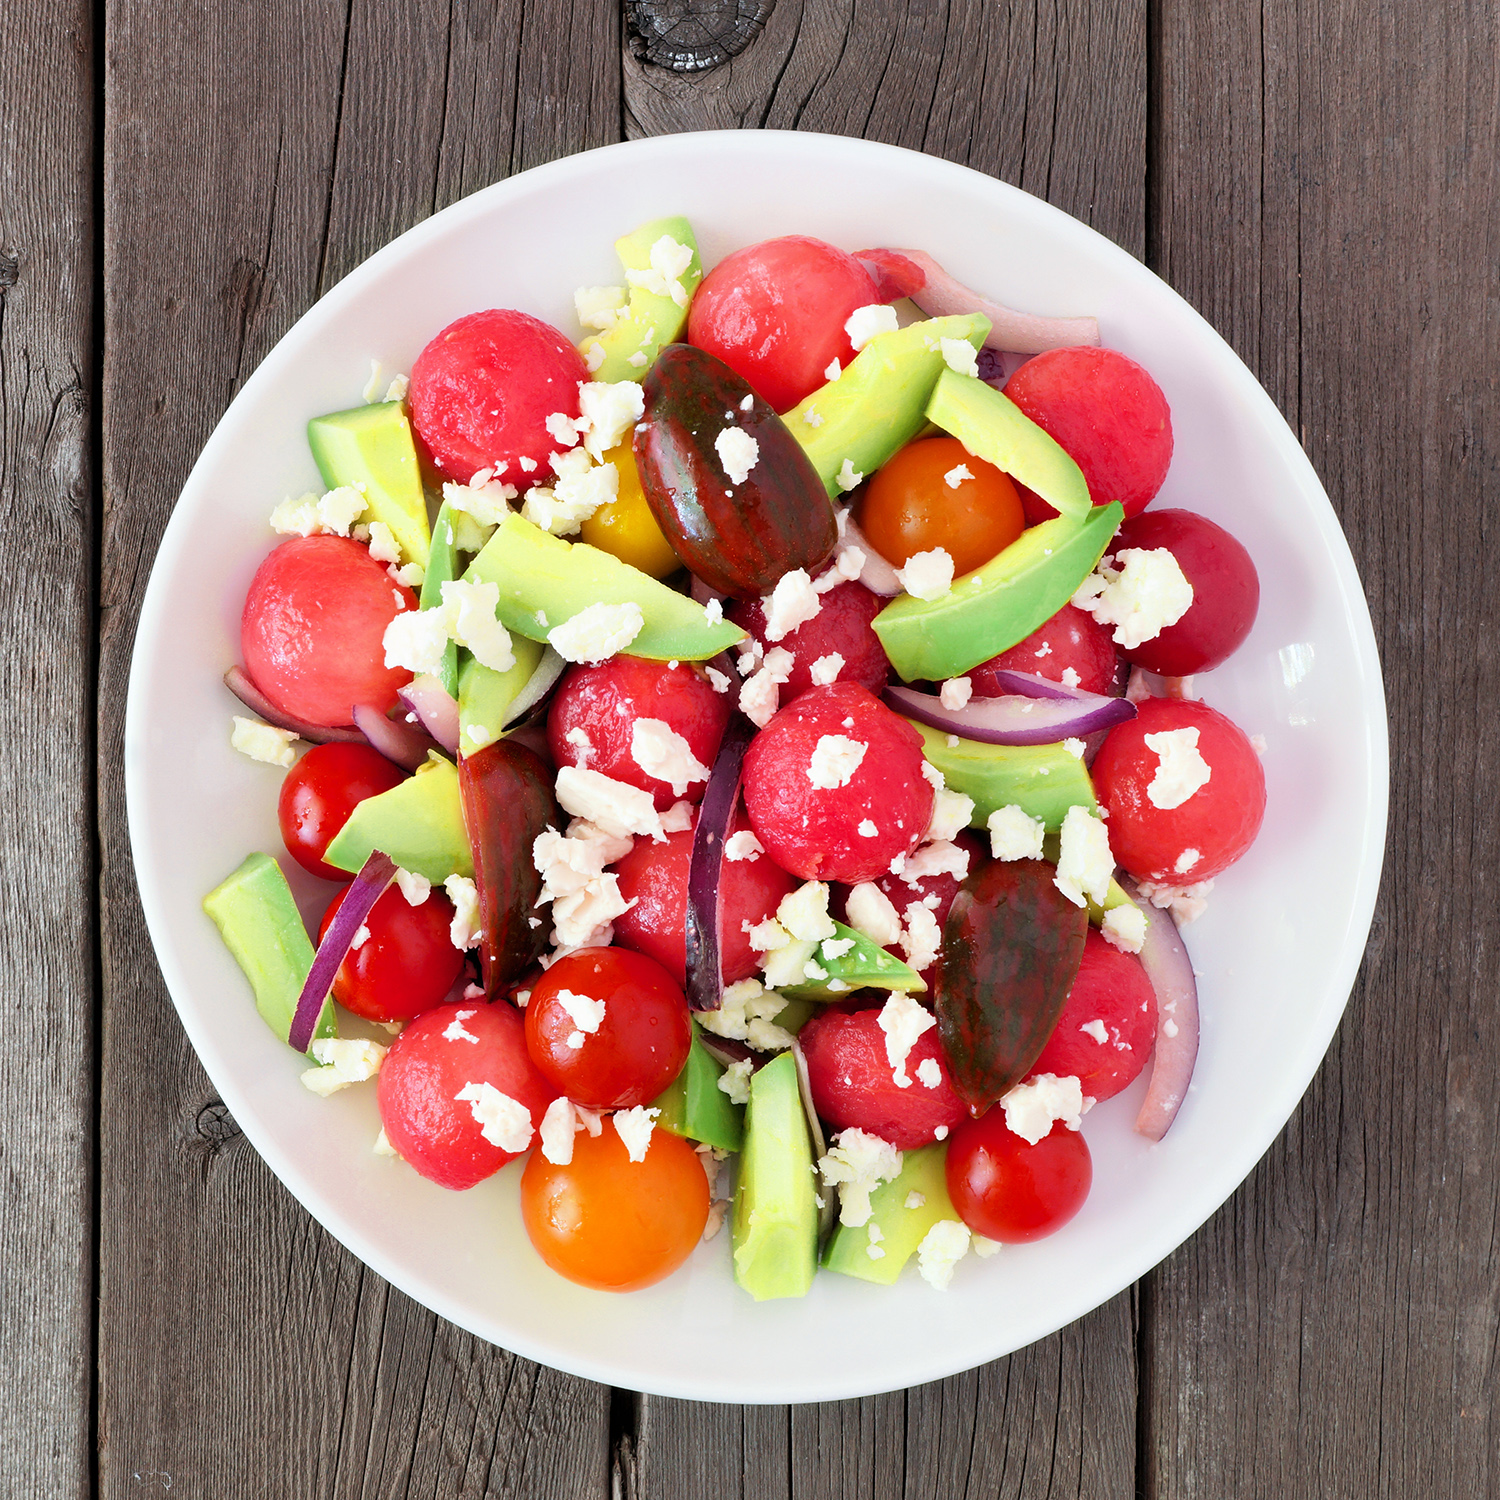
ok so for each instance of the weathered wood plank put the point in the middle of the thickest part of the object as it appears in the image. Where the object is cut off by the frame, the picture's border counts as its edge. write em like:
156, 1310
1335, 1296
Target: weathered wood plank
1326, 195
252, 158
47, 519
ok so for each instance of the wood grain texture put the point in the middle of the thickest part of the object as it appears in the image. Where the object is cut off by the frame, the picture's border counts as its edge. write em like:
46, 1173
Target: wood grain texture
1326, 194
251, 158
47, 519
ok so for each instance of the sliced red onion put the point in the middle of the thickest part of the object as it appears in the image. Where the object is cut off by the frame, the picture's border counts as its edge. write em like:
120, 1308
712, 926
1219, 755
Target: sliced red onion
1014, 720
894, 274
726, 1051
701, 593
548, 672
1170, 970
374, 877
996, 366
941, 295
705, 971
1030, 685
238, 682
397, 741
877, 575
435, 706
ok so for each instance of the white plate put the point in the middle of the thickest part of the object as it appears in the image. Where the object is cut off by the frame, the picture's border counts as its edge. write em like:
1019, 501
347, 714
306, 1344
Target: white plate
1277, 951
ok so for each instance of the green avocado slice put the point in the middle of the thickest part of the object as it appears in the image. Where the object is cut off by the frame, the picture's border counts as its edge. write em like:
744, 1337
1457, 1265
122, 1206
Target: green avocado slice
1044, 781
371, 448
442, 567
419, 823
693, 1105
866, 965
902, 1229
650, 321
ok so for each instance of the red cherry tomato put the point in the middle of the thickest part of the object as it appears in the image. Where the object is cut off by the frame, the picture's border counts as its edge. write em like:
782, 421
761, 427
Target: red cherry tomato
1108, 414
1108, 1024
313, 629
1226, 592
853, 1083
775, 314
406, 965
1070, 642
1013, 1192
911, 506
842, 627
478, 1051
593, 717
631, 1052
482, 390
320, 792
608, 1222
819, 814
1205, 834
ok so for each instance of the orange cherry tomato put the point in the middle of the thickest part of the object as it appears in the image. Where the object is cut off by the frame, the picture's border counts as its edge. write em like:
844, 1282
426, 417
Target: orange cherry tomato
910, 507
611, 1223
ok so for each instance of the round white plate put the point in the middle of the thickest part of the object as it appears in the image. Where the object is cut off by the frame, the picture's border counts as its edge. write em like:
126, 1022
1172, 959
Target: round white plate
1277, 951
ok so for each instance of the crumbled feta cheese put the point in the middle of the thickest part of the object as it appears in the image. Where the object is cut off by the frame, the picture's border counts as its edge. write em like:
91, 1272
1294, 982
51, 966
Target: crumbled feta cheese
804, 913
873, 913
1014, 834
593, 355
867, 828
562, 428
562, 508
669, 263
927, 575
502, 1121
759, 696
341, 1063
559, 1126
929, 1074
932, 776
745, 1014
742, 846
960, 356
597, 632
791, 604
1032, 1108
788, 965
678, 818
1140, 596
865, 322
1084, 864
582, 918
1258, 744
634, 1127
661, 752
857, 1163
382, 1146
834, 949
586, 1013
297, 517
848, 477
766, 936
835, 759
847, 566
921, 938
484, 498
1185, 861
464, 930
947, 1242
1070, 677
608, 410
262, 742
814, 970
470, 611
339, 509
941, 858
1186, 903
599, 306
983, 1247
956, 476
914, 1199
955, 693
812, 418
738, 453
383, 548
735, 1081
417, 639
456, 1031
416, 888
834, 370
1097, 1030
826, 669
903, 1020
951, 813
1180, 772
717, 680
1124, 927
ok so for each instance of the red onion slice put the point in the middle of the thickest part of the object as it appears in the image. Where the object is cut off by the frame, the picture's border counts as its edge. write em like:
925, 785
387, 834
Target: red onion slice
1014, 720
726, 1051
877, 574
705, 975
1170, 970
1029, 685
402, 743
435, 706
375, 875
238, 682
996, 366
701, 593
548, 672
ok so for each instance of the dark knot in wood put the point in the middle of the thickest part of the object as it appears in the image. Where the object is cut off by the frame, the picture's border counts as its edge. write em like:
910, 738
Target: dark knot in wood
216, 1124
10, 269
691, 36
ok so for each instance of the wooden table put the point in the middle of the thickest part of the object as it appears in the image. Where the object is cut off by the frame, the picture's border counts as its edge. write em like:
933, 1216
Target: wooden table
180, 179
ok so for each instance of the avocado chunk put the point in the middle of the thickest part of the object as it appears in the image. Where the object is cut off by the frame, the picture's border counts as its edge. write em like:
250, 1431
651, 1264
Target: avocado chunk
879, 404
261, 926
442, 567
545, 581
992, 427
901, 1229
693, 1104
371, 448
419, 823
1002, 602
865, 965
485, 696
775, 1226
1044, 781
651, 320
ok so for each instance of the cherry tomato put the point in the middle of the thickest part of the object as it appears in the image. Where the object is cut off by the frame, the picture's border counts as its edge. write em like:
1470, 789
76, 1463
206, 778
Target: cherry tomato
1107, 413
482, 390
619, 1059
775, 313
842, 627
910, 505
611, 1223
406, 965
1070, 642
313, 629
474, 1051
1203, 835
320, 792
1226, 592
1008, 1190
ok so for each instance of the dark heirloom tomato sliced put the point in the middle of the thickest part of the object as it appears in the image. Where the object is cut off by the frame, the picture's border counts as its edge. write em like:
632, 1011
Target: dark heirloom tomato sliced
738, 535
507, 802
1012, 945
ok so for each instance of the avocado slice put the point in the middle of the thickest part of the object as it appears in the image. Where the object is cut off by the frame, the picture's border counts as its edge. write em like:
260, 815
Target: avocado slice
879, 404
775, 1225
1044, 781
865, 966
992, 427
259, 921
902, 1229
693, 1104
651, 320
1002, 602
371, 448
544, 581
419, 823
485, 695
442, 567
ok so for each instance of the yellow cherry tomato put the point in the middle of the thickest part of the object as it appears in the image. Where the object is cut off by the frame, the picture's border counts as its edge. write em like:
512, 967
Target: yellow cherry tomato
626, 527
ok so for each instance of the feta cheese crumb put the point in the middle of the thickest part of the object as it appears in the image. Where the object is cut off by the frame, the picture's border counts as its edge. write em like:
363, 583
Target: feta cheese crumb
559, 1126
929, 1073
790, 605
634, 1127
951, 813
903, 1020
718, 681
1186, 903
960, 356
1180, 772
262, 742
382, 1146
1097, 1030
471, 613
927, 575
713, 612
735, 1081
857, 1164
1014, 834
742, 846
826, 669
586, 1013
867, 828
1185, 861
848, 477
984, 1248
678, 818
670, 261
1124, 927
812, 418
383, 546
804, 913
1070, 677
834, 370
922, 938
599, 307
746, 1014
661, 752
955, 693
1143, 593
871, 912
865, 322
1258, 744
1032, 1108
1084, 863
947, 1242
502, 1121
341, 1063
760, 694
456, 1031
834, 761
609, 805
415, 888
956, 476
738, 453
915, 1199
464, 930
597, 633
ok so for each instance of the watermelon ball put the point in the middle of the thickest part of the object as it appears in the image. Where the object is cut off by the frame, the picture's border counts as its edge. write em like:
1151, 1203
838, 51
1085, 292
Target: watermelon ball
483, 389
313, 627
842, 627
1107, 414
1071, 648
835, 785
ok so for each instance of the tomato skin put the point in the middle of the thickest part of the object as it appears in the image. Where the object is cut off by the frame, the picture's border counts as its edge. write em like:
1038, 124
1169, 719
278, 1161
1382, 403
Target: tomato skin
425, 1070
1070, 639
312, 631
1013, 1192
909, 507
843, 627
640, 1044
775, 313
320, 792
607, 1222
1219, 821
408, 963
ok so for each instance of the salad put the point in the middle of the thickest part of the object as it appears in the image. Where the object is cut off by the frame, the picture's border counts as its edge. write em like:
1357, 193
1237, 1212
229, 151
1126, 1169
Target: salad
757, 751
